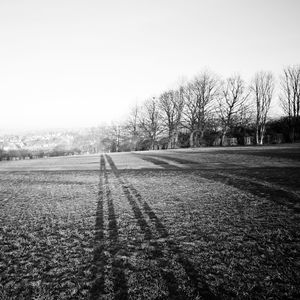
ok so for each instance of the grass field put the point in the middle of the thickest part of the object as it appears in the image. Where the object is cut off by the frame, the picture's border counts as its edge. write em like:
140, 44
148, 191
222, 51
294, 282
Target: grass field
211, 223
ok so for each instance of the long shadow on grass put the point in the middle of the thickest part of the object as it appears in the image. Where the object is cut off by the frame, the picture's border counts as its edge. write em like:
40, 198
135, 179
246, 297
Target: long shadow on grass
133, 197
293, 153
169, 278
278, 195
157, 162
100, 258
188, 163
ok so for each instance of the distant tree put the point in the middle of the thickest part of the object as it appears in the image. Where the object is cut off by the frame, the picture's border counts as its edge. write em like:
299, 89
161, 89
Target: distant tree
190, 116
132, 126
25, 154
199, 99
112, 137
290, 96
262, 89
2, 154
13, 154
39, 154
171, 107
107, 144
116, 136
150, 121
232, 104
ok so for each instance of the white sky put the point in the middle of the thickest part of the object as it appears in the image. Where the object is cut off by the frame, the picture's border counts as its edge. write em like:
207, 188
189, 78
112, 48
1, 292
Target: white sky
69, 63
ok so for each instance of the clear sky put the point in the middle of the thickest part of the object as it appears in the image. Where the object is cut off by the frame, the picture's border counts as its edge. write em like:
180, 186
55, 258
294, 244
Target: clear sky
70, 63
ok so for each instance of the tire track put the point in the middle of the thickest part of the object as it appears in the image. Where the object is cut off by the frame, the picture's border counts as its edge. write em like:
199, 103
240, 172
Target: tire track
100, 257
133, 197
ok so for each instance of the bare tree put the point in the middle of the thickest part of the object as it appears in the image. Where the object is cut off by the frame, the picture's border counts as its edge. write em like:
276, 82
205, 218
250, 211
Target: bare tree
190, 109
171, 106
290, 96
262, 89
199, 98
116, 132
132, 126
150, 121
232, 104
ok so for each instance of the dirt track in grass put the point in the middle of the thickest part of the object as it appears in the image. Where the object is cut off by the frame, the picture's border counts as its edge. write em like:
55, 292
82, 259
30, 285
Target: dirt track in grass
183, 224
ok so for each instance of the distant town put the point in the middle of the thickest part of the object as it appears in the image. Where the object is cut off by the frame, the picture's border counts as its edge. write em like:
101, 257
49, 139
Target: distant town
52, 143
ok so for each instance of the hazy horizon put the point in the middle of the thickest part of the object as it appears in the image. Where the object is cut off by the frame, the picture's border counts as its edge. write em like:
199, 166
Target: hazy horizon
75, 64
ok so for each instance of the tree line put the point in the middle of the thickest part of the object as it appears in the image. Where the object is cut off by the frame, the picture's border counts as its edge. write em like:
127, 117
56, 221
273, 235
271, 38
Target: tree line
208, 110
204, 111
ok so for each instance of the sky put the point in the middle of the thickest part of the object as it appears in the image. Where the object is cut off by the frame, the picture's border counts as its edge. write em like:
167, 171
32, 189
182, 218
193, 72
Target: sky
71, 63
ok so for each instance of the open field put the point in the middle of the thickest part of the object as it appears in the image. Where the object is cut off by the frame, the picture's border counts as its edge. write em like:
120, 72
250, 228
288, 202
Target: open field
211, 223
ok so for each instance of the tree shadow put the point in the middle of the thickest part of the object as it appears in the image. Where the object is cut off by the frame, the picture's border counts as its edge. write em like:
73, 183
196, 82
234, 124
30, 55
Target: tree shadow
157, 162
224, 175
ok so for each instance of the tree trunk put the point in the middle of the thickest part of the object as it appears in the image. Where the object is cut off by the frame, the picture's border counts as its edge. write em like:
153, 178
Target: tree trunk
176, 140
223, 139
257, 136
293, 130
261, 137
192, 139
194, 143
200, 139
153, 146
262, 134
170, 141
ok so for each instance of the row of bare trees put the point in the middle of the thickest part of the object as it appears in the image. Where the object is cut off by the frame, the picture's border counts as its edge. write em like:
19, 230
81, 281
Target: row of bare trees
208, 104
290, 96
